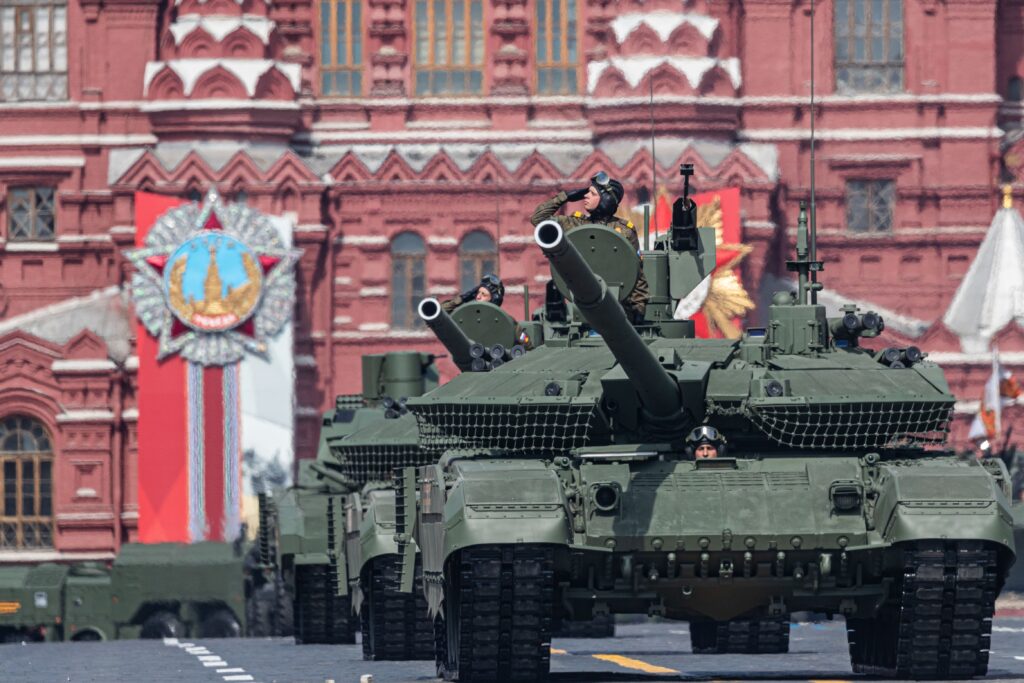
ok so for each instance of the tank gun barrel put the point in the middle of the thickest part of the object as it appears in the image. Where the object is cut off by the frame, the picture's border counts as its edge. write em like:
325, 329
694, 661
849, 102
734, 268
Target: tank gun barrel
450, 334
658, 391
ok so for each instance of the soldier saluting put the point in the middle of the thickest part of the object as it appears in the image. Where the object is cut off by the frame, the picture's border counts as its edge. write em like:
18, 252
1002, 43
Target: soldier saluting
601, 200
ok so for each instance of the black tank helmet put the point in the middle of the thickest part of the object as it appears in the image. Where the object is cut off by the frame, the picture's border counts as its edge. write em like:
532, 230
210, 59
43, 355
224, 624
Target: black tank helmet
611, 192
705, 434
494, 285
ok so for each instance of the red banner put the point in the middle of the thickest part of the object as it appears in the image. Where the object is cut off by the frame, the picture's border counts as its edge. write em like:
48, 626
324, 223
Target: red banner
163, 419
189, 437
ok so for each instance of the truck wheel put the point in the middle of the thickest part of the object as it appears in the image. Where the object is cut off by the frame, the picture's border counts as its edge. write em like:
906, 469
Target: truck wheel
89, 636
498, 602
220, 624
395, 625
162, 624
259, 609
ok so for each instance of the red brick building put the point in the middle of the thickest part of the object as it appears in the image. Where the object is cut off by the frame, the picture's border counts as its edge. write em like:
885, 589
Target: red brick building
410, 140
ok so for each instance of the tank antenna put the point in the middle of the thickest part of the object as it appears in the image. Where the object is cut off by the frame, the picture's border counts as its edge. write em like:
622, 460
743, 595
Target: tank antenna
813, 241
654, 174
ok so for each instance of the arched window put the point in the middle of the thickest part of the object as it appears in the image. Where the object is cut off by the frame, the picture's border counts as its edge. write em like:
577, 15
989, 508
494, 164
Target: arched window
408, 282
477, 257
26, 462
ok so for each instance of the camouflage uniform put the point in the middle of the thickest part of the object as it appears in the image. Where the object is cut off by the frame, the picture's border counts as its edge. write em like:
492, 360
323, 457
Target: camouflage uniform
637, 299
450, 305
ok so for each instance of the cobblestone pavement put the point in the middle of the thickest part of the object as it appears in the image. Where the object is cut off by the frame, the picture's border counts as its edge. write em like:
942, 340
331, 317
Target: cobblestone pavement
641, 652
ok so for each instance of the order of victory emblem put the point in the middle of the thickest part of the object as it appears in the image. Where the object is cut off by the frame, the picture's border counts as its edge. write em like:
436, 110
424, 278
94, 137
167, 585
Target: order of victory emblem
213, 281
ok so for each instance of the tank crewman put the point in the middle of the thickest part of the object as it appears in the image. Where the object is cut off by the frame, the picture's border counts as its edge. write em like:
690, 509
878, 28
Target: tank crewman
600, 200
705, 442
490, 289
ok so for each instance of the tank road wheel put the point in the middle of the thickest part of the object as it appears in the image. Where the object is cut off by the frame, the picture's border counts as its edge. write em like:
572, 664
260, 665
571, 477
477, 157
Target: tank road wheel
740, 636
395, 625
939, 623
320, 616
497, 614
162, 624
602, 626
220, 624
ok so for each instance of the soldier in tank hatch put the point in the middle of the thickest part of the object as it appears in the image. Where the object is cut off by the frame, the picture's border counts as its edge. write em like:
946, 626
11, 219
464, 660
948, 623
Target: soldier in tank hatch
600, 200
490, 289
705, 442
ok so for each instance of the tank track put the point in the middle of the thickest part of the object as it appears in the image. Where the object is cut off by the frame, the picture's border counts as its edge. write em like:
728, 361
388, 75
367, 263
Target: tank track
395, 625
321, 617
598, 627
497, 627
939, 625
740, 636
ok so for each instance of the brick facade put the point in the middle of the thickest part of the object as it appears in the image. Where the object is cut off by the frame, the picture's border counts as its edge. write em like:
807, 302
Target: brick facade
174, 97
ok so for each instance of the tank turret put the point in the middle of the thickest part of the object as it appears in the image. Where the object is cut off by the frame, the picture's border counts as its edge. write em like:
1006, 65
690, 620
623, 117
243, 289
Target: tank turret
450, 334
658, 390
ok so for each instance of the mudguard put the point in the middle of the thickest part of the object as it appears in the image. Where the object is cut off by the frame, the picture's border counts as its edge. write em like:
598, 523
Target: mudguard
962, 500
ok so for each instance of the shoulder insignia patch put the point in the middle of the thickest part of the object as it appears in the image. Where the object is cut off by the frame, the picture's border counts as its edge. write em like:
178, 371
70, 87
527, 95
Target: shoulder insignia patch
629, 224
577, 214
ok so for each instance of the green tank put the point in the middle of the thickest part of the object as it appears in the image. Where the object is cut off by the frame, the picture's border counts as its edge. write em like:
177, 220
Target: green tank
565, 488
395, 624
150, 591
302, 529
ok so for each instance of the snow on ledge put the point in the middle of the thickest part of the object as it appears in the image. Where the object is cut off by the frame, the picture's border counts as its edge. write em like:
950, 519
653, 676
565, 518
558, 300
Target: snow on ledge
220, 26
248, 71
635, 68
663, 23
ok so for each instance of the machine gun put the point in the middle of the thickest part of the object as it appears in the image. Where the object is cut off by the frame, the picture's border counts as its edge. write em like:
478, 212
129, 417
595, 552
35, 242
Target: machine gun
683, 233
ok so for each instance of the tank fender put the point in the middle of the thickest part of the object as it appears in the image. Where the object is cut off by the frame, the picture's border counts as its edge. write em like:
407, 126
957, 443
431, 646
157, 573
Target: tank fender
522, 503
377, 530
950, 501
312, 558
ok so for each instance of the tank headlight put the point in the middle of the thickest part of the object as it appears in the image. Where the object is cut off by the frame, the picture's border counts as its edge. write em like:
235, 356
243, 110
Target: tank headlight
846, 496
553, 389
774, 388
606, 497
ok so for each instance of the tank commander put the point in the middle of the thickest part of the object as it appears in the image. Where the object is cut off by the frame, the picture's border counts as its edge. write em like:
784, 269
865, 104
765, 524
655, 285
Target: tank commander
705, 442
600, 200
490, 289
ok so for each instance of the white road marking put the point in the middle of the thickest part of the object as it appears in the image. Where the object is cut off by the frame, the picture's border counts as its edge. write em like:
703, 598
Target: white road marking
219, 662
1017, 657
1008, 629
170, 641
233, 670
239, 677
209, 658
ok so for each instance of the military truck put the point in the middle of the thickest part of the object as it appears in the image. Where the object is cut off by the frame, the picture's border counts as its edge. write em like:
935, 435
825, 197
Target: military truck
302, 530
565, 485
150, 591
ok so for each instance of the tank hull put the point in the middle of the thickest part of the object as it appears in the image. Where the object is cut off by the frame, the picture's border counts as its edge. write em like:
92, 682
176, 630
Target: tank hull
682, 536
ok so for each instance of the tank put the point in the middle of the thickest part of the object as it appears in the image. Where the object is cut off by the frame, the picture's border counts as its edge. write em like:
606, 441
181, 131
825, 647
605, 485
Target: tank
150, 591
396, 625
565, 477
302, 529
